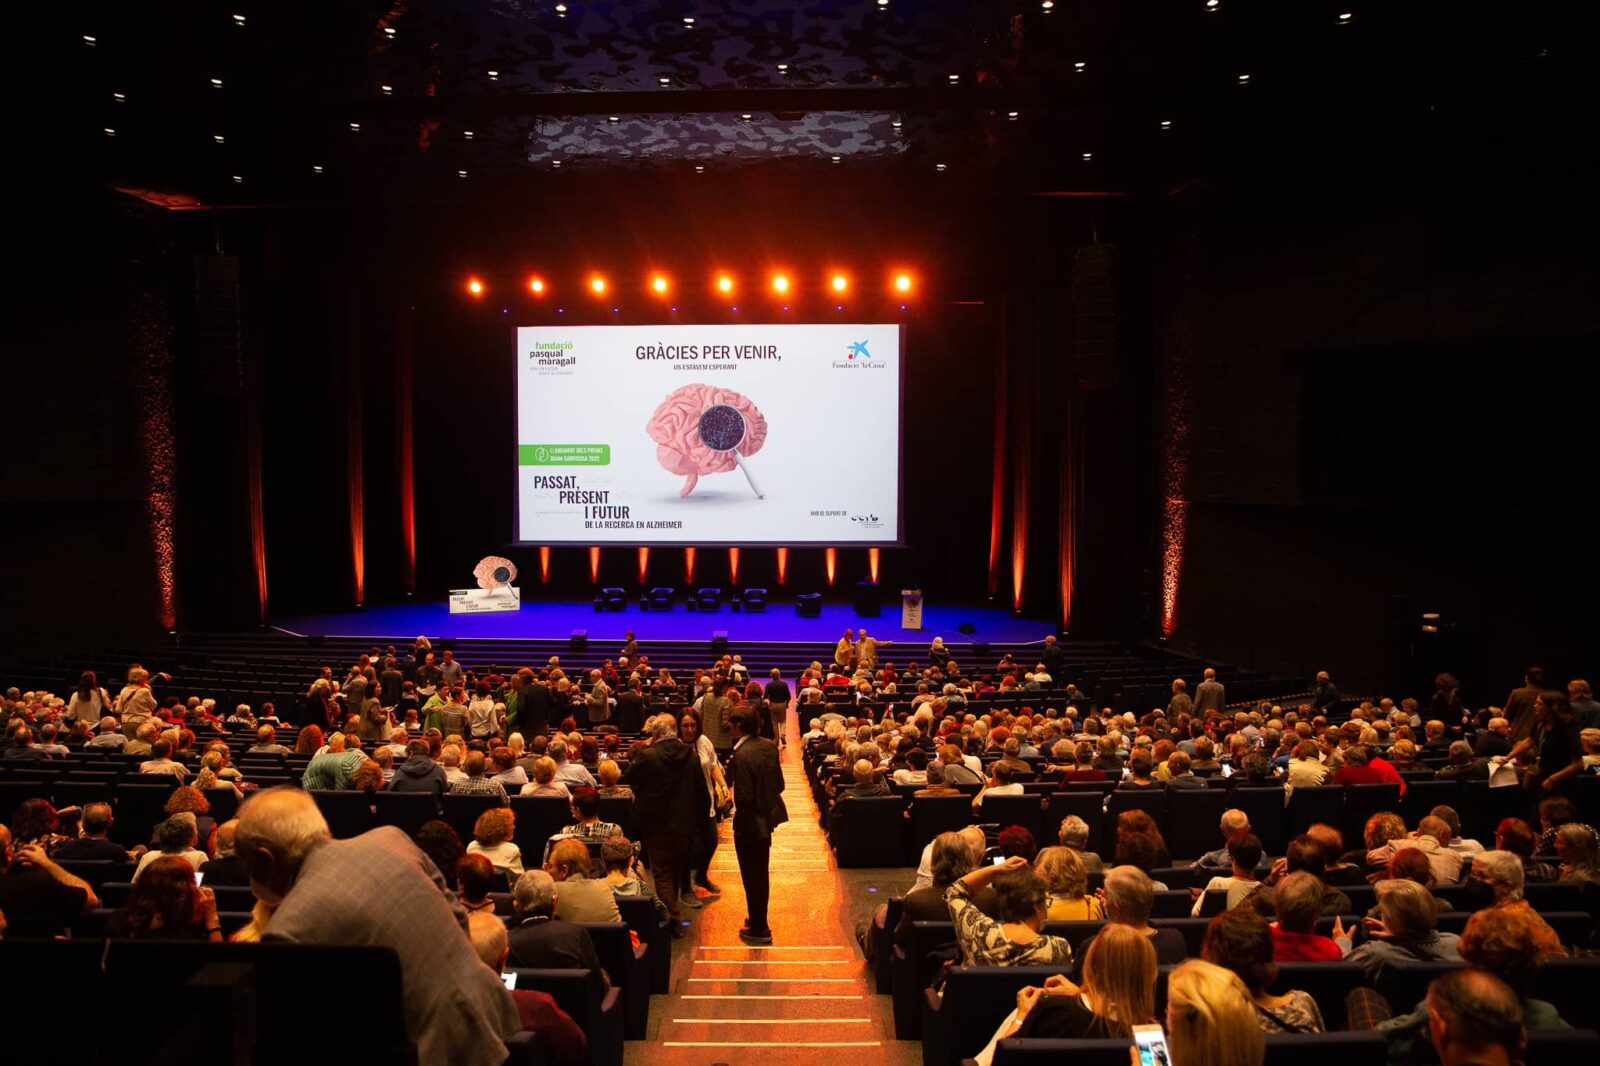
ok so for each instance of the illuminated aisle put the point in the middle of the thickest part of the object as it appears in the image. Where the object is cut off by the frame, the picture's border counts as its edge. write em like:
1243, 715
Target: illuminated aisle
810, 991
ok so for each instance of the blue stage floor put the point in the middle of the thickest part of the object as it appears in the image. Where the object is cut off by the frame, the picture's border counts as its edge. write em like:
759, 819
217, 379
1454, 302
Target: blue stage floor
547, 619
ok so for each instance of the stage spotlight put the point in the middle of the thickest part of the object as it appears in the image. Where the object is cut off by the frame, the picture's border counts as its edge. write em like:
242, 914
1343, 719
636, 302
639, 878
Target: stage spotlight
780, 283
658, 284
536, 286
597, 285
902, 283
475, 286
839, 283
724, 283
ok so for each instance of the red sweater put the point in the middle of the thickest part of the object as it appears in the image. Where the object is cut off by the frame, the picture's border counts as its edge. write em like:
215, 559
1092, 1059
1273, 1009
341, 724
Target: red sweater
1303, 947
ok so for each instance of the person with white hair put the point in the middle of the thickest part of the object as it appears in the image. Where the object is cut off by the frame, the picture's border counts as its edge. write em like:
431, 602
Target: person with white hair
320, 890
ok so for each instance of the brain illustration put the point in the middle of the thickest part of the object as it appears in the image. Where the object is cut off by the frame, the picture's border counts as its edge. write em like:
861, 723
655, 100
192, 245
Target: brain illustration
493, 572
728, 418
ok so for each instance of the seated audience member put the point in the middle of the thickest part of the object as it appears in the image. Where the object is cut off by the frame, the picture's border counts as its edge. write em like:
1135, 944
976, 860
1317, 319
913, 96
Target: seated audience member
1140, 823
1297, 904
38, 899
1516, 836
953, 856
1500, 942
1496, 884
1243, 882
142, 742
1233, 823
368, 777
1579, 851
1380, 829
1555, 812
560, 1039
419, 772
544, 781
1362, 767
1432, 838
267, 743
1012, 937
1305, 854
1066, 885
95, 843
165, 904
1015, 840
1403, 931
176, 836
1074, 834
1409, 864
935, 786
586, 825
476, 877
331, 769
324, 891
1240, 940
539, 942
1476, 1020
160, 762
227, 869
476, 782
1117, 992
915, 771
579, 899
1464, 765
956, 771
999, 784
1136, 850
610, 774
191, 799
1211, 1019
1181, 776
1129, 898
505, 770
492, 834
1336, 870
626, 875
439, 842
1141, 777
1083, 768
108, 738
571, 774
1466, 845
1305, 768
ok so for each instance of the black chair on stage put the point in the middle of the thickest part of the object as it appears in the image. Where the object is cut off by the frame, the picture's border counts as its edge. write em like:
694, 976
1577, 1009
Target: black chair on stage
707, 598
808, 605
611, 599
751, 601
659, 599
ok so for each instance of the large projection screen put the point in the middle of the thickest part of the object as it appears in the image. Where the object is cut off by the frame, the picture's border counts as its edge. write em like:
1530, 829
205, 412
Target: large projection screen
709, 435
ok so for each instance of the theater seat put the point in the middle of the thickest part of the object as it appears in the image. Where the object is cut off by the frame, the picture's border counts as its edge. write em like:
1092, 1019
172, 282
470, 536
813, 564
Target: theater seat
1283, 1049
1569, 984
462, 812
869, 832
629, 969
976, 999
1327, 983
600, 1019
915, 964
659, 599
406, 811
1006, 811
932, 815
1562, 1047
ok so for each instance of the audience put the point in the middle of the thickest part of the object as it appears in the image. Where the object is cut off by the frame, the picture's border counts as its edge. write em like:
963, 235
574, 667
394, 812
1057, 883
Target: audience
1241, 941
1297, 902
539, 941
1211, 1018
165, 904
1129, 897
1074, 834
1244, 850
492, 834
579, 899
560, 1039
1476, 1020
1066, 885
1012, 937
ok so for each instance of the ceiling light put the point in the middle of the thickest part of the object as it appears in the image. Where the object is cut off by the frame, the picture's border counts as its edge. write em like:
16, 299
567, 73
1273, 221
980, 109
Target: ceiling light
1212, 5
388, 31
954, 78
110, 132
1345, 17
724, 284
597, 284
746, 117
783, 67
561, 9
1012, 115
355, 127
659, 284
1047, 4
699, 169
315, 169
216, 83
839, 283
387, 89
665, 81
120, 97
613, 119
902, 282
217, 137
467, 134
88, 40
835, 158
556, 163
780, 283
896, 123
494, 75
688, 20
475, 286
1080, 66
238, 20
1166, 123
461, 173
938, 166
883, 3
536, 286
1244, 79
238, 179
1087, 156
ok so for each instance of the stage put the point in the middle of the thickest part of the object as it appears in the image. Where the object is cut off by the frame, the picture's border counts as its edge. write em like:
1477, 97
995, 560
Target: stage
778, 624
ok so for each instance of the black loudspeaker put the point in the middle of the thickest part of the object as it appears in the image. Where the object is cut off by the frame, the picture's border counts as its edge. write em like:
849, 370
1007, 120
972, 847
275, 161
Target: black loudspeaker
868, 602
808, 605
966, 629
1094, 318
719, 642
579, 638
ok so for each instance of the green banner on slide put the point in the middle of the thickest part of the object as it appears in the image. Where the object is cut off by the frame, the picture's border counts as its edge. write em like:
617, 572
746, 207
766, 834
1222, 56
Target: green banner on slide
563, 455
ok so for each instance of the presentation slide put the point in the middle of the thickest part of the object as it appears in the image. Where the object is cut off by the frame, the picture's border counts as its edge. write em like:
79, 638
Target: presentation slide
708, 435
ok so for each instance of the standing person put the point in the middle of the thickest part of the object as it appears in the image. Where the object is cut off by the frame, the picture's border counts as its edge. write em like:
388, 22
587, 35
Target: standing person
867, 650
631, 707
663, 777
1519, 704
1209, 695
1180, 703
1052, 655
1327, 695
598, 702
778, 699
90, 702
844, 652
703, 839
713, 708
758, 809
1551, 744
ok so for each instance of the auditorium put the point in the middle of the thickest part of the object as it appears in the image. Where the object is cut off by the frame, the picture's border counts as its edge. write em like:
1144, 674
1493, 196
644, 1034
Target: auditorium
1078, 592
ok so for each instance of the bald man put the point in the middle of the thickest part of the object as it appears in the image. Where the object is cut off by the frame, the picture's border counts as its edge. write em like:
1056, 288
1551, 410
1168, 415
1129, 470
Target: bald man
560, 1039
377, 888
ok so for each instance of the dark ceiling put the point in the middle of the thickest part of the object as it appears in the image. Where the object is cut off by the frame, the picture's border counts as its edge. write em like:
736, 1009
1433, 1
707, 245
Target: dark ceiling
458, 100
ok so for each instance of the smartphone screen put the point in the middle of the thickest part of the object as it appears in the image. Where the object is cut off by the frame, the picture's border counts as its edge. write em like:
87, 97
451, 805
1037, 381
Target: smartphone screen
199, 879
511, 981
998, 859
1152, 1045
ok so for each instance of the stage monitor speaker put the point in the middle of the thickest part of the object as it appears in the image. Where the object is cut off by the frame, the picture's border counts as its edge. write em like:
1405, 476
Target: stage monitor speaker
719, 642
808, 605
579, 638
966, 629
868, 603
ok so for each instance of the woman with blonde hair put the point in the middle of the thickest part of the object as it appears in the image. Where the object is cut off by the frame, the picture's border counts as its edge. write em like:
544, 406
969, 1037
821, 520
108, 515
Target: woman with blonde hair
544, 782
1117, 993
1067, 886
1210, 1019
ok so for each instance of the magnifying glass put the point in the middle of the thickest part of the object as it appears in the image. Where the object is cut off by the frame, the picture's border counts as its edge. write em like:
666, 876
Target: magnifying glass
723, 429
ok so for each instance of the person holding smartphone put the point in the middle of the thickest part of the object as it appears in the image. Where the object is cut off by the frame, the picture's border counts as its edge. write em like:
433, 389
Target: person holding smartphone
168, 903
1012, 937
1210, 1022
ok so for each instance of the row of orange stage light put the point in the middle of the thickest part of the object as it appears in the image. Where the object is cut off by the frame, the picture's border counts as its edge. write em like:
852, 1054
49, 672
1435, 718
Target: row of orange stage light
782, 285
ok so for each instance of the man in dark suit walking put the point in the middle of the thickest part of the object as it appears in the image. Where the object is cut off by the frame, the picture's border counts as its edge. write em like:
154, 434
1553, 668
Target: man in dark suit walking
757, 810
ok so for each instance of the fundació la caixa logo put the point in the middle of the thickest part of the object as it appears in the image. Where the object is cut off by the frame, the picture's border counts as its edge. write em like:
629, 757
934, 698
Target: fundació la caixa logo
858, 350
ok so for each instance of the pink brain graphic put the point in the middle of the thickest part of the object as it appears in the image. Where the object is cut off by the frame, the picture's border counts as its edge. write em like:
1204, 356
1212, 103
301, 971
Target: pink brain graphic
675, 427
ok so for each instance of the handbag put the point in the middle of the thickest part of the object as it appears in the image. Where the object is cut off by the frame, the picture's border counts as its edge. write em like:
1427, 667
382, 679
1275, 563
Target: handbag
721, 796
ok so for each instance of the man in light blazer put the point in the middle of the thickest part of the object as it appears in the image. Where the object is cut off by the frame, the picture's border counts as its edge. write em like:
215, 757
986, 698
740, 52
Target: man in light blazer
758, 810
